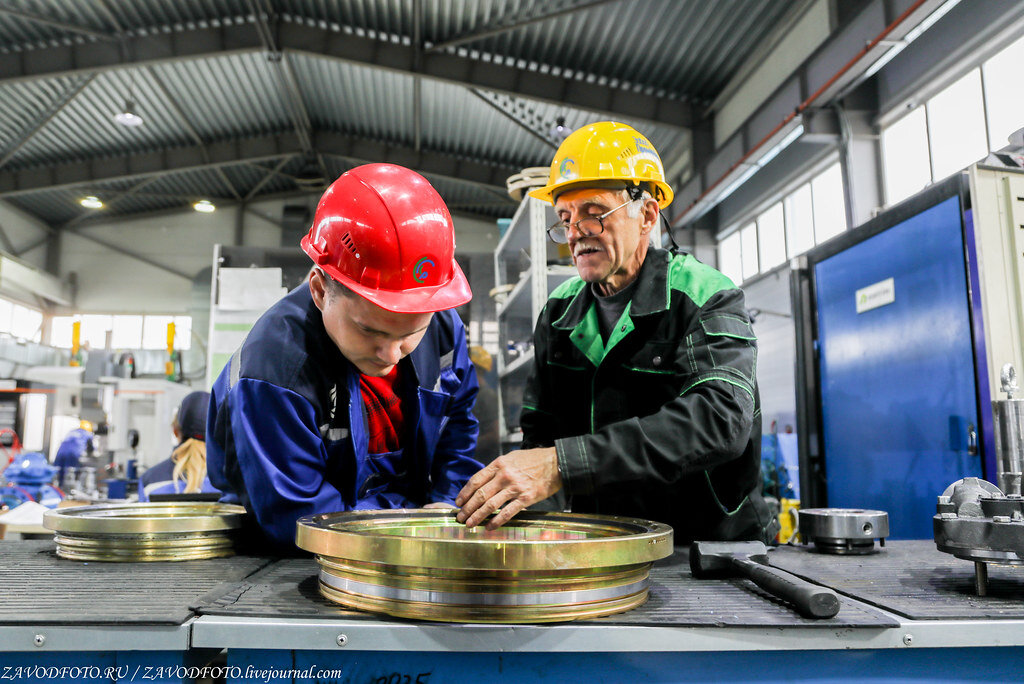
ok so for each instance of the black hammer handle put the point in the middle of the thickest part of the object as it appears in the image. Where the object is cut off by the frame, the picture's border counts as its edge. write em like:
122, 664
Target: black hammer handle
810, 600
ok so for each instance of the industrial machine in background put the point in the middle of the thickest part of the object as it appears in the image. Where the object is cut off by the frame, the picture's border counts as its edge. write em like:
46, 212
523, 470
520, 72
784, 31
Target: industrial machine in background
978, 521
29, 478
246, 281
130, 418
902, 326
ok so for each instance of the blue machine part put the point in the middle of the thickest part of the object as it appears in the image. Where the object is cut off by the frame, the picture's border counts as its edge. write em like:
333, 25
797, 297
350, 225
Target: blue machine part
13, 496
30, 469
898, 389
30, 476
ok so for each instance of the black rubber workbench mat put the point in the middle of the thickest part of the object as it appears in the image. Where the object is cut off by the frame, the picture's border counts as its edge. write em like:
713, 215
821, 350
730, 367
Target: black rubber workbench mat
40, 588
913, 579
289, 589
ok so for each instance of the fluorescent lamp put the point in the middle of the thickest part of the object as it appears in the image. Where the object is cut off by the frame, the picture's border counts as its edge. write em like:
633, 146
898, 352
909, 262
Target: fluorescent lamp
929, 21
782, 144
732, 187
912, 35
205, 207
91, 202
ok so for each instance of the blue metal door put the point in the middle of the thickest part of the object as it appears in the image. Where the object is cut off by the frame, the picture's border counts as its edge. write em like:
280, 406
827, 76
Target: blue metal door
897, 379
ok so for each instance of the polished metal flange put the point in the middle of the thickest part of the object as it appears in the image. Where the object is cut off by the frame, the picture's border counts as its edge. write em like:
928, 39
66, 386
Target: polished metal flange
843, 531
135, 532
540, 567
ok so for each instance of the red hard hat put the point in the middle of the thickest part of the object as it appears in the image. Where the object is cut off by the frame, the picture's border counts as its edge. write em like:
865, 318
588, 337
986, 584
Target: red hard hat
382, 231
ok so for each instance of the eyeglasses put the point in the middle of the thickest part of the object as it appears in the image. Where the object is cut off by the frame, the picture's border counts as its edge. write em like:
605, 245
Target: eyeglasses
588, 226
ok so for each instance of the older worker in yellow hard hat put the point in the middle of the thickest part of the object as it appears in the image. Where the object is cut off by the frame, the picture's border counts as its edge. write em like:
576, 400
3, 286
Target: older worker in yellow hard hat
642, 400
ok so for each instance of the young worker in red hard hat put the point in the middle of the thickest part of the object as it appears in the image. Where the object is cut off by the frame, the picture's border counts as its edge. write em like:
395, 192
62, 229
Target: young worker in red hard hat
356, 390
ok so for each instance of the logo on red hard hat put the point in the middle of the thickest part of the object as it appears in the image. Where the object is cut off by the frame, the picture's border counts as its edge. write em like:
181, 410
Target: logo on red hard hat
420, 272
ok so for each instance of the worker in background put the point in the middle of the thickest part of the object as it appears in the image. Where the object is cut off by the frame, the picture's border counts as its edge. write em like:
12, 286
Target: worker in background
355, 390
642, 399
77, 444
185, 471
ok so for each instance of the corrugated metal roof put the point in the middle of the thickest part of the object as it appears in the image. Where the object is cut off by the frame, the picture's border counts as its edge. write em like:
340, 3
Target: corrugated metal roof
354, 99
226, 96
55, 207
190, 105
85, 128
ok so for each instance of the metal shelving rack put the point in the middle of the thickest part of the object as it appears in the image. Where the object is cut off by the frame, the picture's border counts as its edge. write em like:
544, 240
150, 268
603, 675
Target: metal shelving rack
515, 262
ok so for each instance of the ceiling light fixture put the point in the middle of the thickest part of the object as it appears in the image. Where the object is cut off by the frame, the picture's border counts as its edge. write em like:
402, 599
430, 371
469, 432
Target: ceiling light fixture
205, 206
128, 116
559, 131
91, 202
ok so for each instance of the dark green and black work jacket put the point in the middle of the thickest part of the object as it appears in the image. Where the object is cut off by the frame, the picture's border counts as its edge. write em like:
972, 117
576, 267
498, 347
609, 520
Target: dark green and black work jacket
662, 420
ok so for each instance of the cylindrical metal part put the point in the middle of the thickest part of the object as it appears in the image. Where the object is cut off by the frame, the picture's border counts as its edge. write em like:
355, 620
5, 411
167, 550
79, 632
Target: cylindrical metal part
145, 531
843, 530
1009, 429
981, 578
541, 567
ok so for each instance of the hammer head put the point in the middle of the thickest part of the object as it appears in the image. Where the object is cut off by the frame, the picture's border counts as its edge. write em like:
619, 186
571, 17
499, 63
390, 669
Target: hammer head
715, 558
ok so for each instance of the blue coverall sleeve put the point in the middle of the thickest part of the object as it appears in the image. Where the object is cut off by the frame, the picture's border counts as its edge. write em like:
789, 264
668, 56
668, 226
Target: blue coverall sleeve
453, 462
281, 456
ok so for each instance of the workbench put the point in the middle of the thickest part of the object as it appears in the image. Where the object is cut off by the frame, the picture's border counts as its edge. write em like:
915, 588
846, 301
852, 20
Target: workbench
909, 613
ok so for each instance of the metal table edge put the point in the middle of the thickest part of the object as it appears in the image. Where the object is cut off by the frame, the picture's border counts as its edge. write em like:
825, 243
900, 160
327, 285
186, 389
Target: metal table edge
96, 637
301, 634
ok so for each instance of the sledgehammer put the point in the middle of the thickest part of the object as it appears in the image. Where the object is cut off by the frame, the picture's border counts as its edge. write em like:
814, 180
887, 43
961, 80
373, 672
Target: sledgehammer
750, 560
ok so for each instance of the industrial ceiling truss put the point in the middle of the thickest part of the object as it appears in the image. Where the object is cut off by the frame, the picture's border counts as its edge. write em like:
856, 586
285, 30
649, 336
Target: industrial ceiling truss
241, 100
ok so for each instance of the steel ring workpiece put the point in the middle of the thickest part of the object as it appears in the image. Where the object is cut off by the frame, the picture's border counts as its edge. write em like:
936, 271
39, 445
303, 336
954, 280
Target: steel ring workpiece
145, 531
541, 567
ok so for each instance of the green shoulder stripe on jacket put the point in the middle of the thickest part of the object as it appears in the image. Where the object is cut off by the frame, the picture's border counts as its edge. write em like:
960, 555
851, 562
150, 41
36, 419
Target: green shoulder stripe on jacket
567, 290
696, 280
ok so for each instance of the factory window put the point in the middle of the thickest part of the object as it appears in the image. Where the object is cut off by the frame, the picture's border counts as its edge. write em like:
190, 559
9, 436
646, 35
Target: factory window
124, 331
829, 204
809, 215
26, 323
20, 321
905, 156
6, 312
154, 332
956, 126
94, 330
182, 332
771, 237
1004, 98
60, 331
799, 221
748, 250
730, 261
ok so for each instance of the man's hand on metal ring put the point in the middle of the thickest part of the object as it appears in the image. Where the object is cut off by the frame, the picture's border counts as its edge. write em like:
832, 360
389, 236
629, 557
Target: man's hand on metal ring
515, 481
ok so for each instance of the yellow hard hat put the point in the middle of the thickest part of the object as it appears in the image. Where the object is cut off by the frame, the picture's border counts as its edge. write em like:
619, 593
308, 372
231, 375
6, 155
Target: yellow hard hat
601, 152
480, 357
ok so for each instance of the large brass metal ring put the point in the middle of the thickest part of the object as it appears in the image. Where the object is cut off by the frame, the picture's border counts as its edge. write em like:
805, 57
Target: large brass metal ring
145, 531
541, 567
